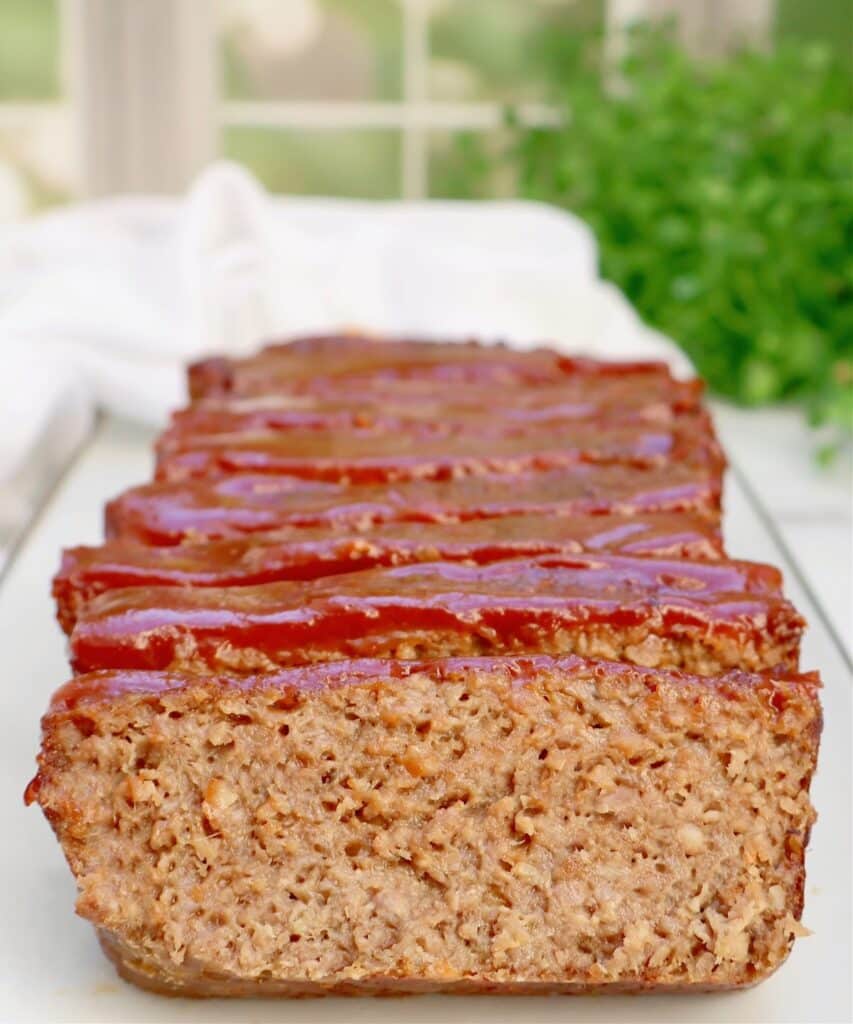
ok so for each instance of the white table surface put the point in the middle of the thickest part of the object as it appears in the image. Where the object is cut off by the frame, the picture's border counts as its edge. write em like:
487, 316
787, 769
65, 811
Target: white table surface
50, 965
810, 505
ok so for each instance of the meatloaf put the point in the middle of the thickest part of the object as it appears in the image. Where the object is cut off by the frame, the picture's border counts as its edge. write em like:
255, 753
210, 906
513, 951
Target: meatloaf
306, 553
235, 505
704, 617
424, 669
489, 825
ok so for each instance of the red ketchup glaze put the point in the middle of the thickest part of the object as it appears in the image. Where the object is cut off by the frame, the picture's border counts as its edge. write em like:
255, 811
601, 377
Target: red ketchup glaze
381, 410
507, 605
309, 553
238, 505
399, 456
105, 686
353, 363
312, 355
315, 355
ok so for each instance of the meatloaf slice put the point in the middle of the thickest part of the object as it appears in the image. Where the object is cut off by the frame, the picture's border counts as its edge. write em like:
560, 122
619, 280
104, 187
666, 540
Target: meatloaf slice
704, 617
491, 825
349, 362
233, 506
306, 553
400, 456
345, 356
381, 408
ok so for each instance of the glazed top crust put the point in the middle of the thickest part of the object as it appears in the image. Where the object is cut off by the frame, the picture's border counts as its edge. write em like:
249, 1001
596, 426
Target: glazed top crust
380, 408
148, 627
308, 551
329, 363
238, 504
372, 457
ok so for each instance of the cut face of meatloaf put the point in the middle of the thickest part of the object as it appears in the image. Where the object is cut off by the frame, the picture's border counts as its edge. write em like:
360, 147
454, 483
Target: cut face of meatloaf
704, 617
393, 456
340, 363
306, 553
233, 506
381, 409
491, 825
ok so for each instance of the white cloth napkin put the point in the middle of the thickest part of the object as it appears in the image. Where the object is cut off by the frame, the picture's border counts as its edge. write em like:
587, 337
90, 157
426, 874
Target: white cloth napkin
102, 305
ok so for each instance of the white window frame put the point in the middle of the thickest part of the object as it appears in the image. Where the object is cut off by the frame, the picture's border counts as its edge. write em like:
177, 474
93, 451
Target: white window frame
130, 145
144, 87
414, 115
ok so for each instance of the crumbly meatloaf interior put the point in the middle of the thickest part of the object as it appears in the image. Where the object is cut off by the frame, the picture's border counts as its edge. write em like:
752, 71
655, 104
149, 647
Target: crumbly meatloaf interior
456, 827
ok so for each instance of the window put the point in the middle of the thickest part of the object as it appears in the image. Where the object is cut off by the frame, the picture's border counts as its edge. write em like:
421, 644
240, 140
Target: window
366, 98
339, 97
37, 153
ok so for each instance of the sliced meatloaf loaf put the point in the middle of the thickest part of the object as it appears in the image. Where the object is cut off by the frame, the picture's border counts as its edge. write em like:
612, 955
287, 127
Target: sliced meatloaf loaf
337, 725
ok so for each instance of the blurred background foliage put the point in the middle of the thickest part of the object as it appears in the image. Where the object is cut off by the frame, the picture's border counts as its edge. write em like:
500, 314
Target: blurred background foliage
721, 193
721, 189
29, 49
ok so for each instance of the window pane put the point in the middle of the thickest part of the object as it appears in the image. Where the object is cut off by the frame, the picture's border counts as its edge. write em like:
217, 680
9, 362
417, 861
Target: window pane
29, 50
499, 49
470, 165
311, 49
336, 163
37, 157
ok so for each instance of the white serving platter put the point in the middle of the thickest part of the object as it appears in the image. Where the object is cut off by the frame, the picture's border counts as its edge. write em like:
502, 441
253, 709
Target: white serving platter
51, 969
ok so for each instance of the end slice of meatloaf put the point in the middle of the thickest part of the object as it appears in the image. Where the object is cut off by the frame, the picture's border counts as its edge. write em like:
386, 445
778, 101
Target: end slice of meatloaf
233, 506
306, 553
489, 825
704, 617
